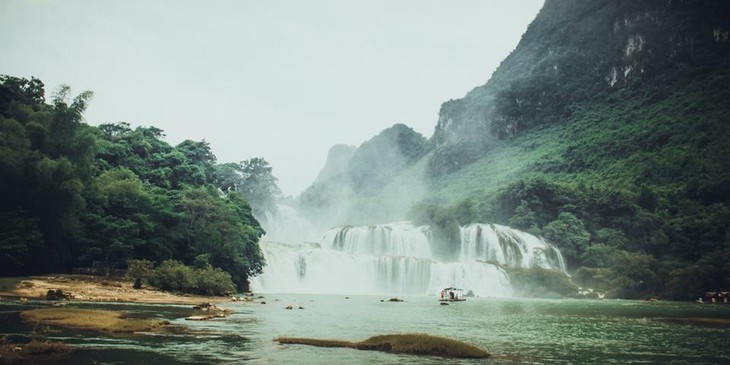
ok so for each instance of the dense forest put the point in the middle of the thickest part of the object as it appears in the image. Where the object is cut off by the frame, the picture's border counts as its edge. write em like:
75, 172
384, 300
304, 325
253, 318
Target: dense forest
75, 195
605, 131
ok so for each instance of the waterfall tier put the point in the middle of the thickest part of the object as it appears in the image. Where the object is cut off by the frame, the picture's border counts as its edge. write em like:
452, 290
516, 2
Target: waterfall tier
508, 247
398, 239
397, 259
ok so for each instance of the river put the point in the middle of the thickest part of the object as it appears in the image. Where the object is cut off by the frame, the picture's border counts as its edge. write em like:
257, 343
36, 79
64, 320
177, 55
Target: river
515, 331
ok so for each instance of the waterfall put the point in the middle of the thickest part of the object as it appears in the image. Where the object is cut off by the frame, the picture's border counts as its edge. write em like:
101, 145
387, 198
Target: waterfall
397, 239
509, 247
397, 259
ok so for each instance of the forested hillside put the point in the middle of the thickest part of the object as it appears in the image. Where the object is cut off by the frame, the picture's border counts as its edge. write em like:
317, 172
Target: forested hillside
605, 131
74, 195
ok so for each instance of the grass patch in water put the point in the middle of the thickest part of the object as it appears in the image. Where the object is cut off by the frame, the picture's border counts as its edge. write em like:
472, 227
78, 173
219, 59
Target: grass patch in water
33, 352
100, 320
413, 344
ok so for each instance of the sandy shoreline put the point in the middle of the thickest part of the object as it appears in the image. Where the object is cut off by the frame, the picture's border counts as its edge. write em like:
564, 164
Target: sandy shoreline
100, 289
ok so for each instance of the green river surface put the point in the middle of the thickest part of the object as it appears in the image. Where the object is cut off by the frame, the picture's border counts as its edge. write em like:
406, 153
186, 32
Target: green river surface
515, 331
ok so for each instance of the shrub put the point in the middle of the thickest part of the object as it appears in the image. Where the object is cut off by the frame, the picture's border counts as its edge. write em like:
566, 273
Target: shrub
214, 281
175, 276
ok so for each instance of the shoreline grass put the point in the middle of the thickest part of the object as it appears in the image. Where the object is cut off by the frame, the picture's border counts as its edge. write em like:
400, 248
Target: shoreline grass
411, 343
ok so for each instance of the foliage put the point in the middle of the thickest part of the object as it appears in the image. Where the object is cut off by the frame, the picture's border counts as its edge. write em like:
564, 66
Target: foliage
104, 195
175, 276
621, 274
214, 281
449, 158
140, 269
258, 184
570, 232
641, 172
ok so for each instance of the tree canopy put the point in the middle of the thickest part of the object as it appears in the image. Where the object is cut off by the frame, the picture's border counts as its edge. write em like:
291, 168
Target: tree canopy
108, 194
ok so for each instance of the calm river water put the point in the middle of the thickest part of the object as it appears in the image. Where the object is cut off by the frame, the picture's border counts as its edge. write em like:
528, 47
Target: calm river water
515, 331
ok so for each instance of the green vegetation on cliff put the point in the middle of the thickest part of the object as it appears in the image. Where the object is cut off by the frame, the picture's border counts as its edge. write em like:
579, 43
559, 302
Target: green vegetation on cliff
604, 131
607, 131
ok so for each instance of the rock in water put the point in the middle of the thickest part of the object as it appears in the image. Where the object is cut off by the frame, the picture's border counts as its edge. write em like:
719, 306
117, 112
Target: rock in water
413, 344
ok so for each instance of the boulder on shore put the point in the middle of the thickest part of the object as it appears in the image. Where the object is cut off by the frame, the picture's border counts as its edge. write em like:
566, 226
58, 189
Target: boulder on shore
58, 294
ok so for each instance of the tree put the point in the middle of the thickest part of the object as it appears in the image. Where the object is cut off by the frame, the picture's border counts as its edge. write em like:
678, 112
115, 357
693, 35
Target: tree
28, 92
229, 176
81, 194
569, 234
202, 159
20, 237
118, 219
224, 230
139, 270
259, 185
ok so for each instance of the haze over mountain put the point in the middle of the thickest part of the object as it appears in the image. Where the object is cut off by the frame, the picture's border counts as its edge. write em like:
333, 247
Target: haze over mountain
604, 130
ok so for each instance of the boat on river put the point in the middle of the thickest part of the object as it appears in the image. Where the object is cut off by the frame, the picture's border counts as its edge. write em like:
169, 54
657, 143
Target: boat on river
452, 294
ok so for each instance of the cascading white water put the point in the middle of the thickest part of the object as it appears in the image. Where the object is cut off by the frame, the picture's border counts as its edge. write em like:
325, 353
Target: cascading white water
397, 259
396, 239
507, 246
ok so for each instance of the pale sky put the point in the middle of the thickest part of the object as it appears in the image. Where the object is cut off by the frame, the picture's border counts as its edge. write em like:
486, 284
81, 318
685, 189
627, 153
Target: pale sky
282, 80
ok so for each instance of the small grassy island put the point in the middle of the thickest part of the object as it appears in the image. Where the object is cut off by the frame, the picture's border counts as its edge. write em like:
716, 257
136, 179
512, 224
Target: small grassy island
412, 343
93, 319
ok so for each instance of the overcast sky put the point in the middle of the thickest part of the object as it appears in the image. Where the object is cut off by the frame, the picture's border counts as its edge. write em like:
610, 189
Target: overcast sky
283, 80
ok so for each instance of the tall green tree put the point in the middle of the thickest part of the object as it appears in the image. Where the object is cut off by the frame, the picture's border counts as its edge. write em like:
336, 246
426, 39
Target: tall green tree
224, 230
259, 185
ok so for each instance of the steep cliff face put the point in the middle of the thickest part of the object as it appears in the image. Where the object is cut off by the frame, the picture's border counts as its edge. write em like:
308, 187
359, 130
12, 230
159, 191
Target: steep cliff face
576, 51
349, 188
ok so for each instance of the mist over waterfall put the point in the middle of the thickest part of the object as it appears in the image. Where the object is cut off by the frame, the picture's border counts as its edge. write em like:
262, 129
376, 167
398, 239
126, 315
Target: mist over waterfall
283, 224
394, 259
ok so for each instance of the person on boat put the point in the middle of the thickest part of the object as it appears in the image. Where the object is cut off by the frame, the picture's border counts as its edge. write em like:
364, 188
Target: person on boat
451, 295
